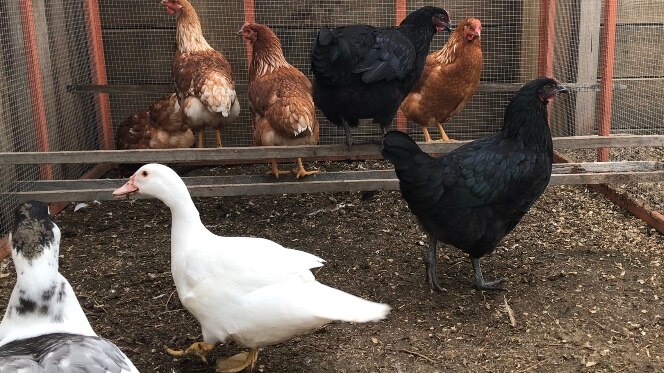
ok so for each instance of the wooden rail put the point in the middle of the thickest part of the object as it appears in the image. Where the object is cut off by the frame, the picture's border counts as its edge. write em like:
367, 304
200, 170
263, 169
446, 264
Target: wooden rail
308, 152
214, 186
170, 88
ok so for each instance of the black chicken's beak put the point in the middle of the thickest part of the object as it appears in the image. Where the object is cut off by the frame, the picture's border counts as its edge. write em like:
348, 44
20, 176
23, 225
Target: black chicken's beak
562, 89
448, 28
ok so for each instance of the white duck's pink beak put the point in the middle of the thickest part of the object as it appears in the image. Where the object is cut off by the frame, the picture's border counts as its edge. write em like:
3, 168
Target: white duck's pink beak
126, 190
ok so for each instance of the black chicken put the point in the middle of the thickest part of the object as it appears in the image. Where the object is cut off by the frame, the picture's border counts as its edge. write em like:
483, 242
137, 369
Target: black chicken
365, 72
473, 196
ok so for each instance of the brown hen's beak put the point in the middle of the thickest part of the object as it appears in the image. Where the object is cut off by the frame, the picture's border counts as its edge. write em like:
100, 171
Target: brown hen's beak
126, 190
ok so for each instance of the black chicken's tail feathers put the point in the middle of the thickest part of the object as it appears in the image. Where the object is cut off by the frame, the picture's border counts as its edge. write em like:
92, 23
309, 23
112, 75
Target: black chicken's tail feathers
420, 178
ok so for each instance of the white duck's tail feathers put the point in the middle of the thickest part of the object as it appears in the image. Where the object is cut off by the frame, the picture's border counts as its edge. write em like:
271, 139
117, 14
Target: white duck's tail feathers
335, 304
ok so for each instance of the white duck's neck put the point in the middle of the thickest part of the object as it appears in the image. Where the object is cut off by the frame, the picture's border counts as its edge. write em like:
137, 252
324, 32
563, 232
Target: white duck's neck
186, 223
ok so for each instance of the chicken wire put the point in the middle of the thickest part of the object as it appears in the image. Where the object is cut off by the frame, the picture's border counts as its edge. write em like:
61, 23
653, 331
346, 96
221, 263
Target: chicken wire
138, 39
38, 97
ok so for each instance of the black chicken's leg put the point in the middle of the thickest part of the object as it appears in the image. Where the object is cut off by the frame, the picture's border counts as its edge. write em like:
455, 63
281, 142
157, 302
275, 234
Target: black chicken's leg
349, 135
430, 263
480, 284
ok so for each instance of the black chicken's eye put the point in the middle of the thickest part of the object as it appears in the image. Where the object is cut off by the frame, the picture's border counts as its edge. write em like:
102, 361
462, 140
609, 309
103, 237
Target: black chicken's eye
145, 173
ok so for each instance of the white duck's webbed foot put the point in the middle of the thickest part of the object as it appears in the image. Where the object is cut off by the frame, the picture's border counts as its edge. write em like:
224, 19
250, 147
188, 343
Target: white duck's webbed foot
238, 362
200, 349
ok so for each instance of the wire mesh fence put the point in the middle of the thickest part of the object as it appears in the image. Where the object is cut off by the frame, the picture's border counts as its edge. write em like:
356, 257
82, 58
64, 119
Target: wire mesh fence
47, 57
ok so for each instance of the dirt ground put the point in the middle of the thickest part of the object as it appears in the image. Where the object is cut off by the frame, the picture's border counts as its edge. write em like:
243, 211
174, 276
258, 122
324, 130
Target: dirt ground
584, 278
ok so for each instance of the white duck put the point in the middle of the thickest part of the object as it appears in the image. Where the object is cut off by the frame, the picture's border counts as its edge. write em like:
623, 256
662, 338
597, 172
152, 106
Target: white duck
44, 328
251, 290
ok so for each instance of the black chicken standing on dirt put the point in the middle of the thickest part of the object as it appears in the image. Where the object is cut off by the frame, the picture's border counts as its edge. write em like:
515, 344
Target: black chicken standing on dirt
365, 72
476, 194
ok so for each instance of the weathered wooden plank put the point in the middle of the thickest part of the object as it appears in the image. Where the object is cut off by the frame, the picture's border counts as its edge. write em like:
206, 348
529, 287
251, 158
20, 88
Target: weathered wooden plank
269, 152
582, 173
133, 14
641, 11
587, 57
638, 107
164, 88
190, 181
139, 56
639, 51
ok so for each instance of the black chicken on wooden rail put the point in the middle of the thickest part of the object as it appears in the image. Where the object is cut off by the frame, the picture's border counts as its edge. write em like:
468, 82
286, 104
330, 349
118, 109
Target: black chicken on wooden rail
364, 72
473, 196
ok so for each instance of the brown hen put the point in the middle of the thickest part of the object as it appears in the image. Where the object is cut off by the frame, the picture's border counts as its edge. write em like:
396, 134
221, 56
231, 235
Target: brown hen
282, 109
203, 77
159, 127
451, 77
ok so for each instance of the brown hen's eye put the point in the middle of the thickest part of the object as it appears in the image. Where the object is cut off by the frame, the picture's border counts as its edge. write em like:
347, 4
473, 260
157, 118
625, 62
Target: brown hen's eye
145, 173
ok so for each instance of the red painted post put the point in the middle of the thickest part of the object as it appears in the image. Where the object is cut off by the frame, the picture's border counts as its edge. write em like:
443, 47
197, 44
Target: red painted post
36, 85
98, 69
607, 50
546, 37
399, 15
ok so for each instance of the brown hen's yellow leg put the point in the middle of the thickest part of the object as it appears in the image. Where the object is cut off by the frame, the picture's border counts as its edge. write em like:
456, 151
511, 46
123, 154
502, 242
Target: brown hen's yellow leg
276, 171
443, 135
199, 134
301, 172
239, 362
427, 137
200, 349
217, 134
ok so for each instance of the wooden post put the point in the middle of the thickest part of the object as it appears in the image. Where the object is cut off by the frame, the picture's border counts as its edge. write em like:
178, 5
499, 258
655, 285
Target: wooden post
36, 84
590, 12
606, 71
399, 15
546, 37
98, 69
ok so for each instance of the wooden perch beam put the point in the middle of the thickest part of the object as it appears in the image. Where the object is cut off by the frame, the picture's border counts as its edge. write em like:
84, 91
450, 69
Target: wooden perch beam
288, 153
169, 88
214, 186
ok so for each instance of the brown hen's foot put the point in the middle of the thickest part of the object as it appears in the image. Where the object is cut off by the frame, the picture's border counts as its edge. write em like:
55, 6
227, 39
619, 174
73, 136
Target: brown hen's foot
301, 172
276, 171
217, 135
199, 134
427, 137
200, 349
443, 135
239, 362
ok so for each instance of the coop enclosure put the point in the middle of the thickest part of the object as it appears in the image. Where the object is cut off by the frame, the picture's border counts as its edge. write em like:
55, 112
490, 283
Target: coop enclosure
72, 71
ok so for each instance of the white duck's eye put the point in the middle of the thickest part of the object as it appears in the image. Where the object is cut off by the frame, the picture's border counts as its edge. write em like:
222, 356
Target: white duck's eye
144, 173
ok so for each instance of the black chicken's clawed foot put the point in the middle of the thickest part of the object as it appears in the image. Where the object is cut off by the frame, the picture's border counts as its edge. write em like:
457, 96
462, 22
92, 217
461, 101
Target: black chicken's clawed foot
490, 285
433, 282
480, 284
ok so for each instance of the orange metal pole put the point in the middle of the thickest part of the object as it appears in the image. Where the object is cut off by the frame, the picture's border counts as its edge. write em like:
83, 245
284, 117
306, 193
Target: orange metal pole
607, 49
35, 83
249, 17
98, 68
546, 37
399, 15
